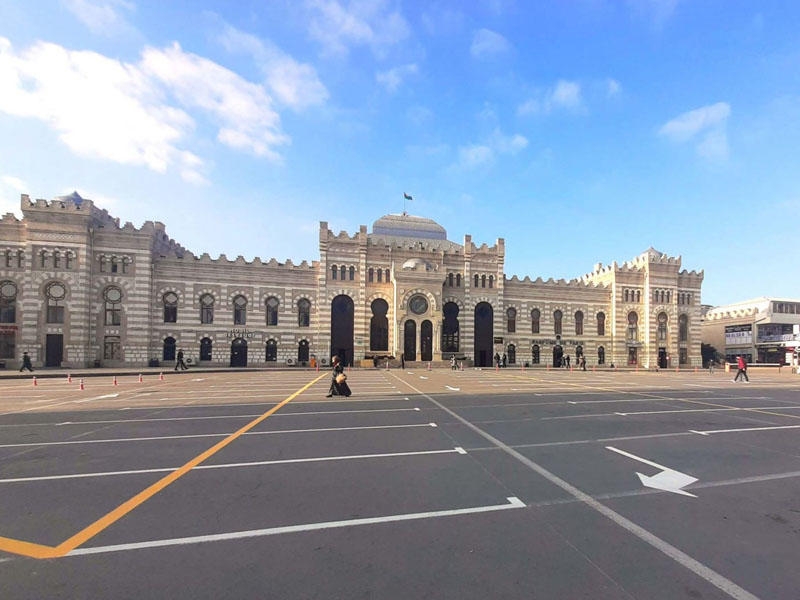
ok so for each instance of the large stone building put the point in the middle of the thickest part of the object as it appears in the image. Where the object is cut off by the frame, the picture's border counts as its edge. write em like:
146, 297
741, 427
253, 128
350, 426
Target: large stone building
78, 289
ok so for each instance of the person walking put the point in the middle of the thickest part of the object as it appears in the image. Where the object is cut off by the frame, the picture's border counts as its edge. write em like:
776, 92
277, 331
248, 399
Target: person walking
339, 385
711, 366
179, 362
453, 366
504, 360
26, 363
741, 365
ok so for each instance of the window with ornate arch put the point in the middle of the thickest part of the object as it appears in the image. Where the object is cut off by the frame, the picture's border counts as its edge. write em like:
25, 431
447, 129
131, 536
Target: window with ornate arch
206, 346
511, 320
352, 273
683, 328
371, 275
206, 309
661, 326
536, 317
334, 272
601, 323
8, 302
558, 316
579, 322
303, 312
535, 354
343, 272
170, 301
240, 310
633, 326
272, 305
477, 280
271, 354
55, 293
112, 297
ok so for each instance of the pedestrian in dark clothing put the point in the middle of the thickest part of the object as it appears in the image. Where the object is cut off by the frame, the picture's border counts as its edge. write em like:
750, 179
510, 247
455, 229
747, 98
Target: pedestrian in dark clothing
26, 363
567, 359
583, 363
497, 359
402, 361
504, 359
741, 364
179, 362
339, 385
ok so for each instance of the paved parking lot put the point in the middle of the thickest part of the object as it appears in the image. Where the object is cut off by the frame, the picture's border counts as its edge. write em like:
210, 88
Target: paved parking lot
423, 484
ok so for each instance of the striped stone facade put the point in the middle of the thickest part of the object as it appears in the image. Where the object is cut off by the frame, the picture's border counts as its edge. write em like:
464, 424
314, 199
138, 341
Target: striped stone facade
643, 312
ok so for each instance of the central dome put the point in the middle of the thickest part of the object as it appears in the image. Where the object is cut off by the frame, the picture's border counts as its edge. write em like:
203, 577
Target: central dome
408, 226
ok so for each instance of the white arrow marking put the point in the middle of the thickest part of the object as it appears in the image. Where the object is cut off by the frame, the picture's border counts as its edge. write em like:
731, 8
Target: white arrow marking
669, 480
452, 389
421, 377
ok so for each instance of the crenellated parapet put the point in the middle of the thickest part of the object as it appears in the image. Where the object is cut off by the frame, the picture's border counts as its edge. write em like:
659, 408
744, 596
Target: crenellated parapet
580, 282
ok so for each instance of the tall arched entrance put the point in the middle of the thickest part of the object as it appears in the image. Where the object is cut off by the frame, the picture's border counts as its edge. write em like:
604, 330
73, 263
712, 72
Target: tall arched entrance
484, 331
558, 355
410, 340
342, 318
426, 340
239, 353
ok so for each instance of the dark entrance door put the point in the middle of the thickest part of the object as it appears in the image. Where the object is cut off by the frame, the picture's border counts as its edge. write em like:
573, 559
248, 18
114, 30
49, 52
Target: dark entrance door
484, 330
558, 355
426, 340
239, 353
662, 358
410, 341
342, 317
54, 350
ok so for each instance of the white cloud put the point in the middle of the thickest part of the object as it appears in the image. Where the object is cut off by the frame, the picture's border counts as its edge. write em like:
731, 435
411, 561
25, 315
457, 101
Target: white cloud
393, 78
486, 43
15, 183
292, 83
10, 189
339, 26
126, 113
564, 95
613, 88
707, 124
102, 17
476, 155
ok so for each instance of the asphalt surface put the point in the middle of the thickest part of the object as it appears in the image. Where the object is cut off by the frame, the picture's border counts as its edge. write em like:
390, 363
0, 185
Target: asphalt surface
423, 484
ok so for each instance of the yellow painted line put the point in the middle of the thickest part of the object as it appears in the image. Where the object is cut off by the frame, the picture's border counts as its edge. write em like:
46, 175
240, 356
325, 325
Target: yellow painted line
42, 551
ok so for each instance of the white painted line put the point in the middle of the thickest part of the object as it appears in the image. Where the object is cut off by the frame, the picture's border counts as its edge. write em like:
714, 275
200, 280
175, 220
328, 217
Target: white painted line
460, 450
213, 417
693, 565
453, 389
639, 458
513, 502
261, 463
204, 435
710, 431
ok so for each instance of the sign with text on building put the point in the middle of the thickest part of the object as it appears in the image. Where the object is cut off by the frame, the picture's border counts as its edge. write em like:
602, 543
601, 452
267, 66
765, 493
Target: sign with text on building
738, 335
775, 332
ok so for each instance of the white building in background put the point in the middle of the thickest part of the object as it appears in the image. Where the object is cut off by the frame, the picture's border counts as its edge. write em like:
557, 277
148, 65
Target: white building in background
762, 330
78, 289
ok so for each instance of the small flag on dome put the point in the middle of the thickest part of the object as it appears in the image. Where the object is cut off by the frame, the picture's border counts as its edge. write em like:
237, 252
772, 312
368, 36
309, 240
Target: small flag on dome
407, 197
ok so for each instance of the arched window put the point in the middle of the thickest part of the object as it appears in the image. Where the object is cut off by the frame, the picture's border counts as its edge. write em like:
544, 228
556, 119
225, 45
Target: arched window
113, 306
371, 275
633, 326
272, 351
343, 272
450, 328
380, 276
205, 348
535, 358
168, 353
512, 354
536, 316
458, 279
352, 273
170, 300
8, 303
240, 310
477, 280
206, 309
491, 281
683, 328
387, 276
601, 355
302, 351
483, 281
379, 326
627, 298
303, 313
334, 272
511, 315
579, 322
601, 323
56, 293
272, 310
557, 318
662, 326
450, 279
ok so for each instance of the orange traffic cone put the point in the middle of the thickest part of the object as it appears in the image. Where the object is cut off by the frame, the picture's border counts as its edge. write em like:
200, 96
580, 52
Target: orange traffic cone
140, 378
161, 376
115, 380
34, 381
69, 378
81, 385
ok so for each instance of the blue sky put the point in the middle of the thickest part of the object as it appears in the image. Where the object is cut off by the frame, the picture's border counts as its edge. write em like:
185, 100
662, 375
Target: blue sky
581, 132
